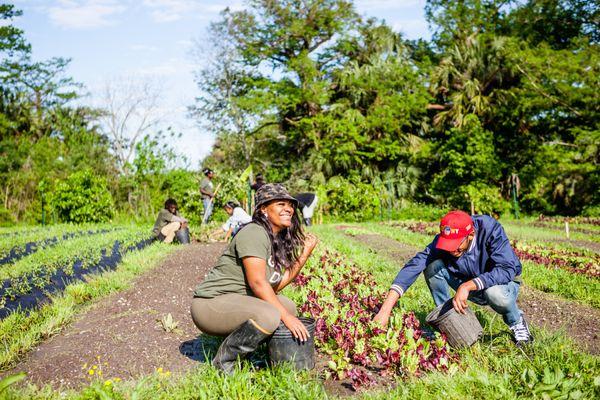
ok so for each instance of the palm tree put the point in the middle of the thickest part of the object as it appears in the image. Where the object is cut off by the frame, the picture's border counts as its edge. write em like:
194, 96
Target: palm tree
471, 79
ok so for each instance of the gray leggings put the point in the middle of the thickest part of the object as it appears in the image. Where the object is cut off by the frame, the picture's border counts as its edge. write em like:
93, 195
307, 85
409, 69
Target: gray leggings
221, 315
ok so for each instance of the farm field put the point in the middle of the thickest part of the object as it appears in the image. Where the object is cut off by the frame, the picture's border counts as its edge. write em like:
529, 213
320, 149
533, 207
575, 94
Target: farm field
99, 325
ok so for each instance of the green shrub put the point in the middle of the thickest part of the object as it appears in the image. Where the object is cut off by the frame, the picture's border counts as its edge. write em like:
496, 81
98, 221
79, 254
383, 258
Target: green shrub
418, 211
591, 211
82, 197
350, 199
6, 217
486, 199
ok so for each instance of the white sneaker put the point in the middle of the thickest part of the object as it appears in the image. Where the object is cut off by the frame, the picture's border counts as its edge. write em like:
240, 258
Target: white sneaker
521, 333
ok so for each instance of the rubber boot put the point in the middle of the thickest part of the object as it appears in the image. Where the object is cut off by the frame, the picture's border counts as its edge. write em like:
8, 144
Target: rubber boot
245, 339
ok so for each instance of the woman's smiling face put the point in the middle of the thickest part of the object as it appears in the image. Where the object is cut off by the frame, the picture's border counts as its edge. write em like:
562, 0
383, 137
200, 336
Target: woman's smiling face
279, 213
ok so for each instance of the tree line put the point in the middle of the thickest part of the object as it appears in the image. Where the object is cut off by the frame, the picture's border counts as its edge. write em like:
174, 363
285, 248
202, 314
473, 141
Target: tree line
63, 161
498, 110
500, 105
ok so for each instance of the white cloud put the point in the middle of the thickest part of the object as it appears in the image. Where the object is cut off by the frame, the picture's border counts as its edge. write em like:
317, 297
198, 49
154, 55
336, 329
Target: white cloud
171, 10
174, 10
143, 48
172, 66
85, 14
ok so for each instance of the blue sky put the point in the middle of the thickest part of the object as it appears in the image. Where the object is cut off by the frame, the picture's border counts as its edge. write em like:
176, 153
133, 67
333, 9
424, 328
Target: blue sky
152, 39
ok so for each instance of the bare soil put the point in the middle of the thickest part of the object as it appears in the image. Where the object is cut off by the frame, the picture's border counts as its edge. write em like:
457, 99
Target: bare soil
121, 335
580, 322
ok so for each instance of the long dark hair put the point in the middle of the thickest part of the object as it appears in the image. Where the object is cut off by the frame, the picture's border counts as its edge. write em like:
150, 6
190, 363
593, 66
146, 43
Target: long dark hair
286, 245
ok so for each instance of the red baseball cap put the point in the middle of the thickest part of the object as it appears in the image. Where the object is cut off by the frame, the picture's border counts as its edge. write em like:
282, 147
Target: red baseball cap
454, 228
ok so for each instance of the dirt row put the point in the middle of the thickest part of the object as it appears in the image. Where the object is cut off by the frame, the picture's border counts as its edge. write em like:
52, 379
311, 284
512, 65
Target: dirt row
122, 336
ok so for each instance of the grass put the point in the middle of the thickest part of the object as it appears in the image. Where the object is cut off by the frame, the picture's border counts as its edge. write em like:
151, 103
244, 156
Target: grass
571, 286
519, 230
493, 368
20, 332
201, 383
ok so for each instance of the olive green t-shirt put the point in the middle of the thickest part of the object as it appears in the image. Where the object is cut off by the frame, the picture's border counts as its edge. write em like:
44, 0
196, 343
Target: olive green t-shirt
206, 185
228, 275
164, 218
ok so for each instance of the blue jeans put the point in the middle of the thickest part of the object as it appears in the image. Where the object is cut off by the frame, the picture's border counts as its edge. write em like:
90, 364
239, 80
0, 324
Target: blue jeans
208, 207
502, 298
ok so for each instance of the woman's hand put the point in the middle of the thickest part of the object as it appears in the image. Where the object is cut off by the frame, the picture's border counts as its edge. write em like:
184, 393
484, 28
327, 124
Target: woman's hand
296, 327
310, 242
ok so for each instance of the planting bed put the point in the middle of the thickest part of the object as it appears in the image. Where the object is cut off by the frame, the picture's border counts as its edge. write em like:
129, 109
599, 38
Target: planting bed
123, 329
343, 299
32, 280
121, 337
18, 251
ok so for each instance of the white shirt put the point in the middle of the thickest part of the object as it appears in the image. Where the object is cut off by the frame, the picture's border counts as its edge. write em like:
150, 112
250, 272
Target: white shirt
239, 217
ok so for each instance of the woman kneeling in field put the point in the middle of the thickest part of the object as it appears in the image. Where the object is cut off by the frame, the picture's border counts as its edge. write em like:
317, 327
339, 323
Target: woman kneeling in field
238, 298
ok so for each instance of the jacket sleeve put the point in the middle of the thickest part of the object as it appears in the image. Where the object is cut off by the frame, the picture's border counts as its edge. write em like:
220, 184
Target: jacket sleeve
505, 264
411, 270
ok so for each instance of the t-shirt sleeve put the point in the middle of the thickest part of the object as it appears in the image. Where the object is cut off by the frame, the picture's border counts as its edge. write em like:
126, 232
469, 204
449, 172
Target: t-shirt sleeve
166, 216
252, 241
228, 224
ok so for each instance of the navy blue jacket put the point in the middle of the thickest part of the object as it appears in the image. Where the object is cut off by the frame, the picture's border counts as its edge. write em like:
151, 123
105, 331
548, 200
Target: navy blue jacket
489, 261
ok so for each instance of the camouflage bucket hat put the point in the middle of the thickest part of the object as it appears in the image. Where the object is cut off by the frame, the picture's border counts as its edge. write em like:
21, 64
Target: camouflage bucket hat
272, 191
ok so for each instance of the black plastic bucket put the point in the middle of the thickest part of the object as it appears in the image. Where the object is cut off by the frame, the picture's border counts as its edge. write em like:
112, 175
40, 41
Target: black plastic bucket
284, 347
462, 330
183, 236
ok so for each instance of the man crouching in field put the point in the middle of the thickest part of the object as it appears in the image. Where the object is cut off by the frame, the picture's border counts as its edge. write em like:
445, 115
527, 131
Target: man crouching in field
169, 222
474, 257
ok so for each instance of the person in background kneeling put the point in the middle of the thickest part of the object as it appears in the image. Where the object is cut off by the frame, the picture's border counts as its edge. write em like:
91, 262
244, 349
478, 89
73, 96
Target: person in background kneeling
169, 223
237, 218
239, 297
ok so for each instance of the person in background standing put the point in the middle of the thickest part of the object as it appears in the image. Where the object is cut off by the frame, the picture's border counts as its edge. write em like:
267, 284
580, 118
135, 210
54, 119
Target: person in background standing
207, 191
307, 202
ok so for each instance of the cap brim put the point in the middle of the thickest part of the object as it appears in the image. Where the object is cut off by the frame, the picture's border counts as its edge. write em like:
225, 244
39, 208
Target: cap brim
448, 244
